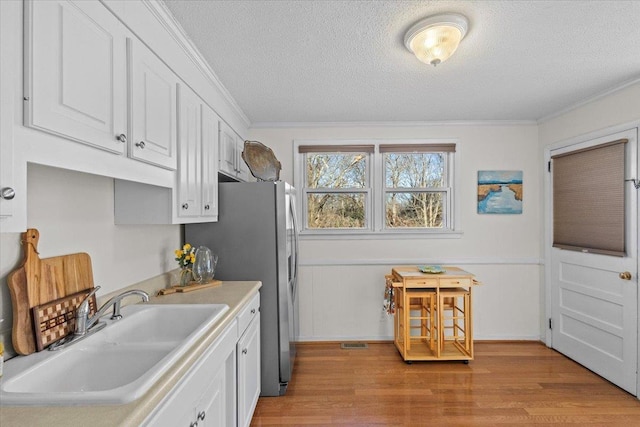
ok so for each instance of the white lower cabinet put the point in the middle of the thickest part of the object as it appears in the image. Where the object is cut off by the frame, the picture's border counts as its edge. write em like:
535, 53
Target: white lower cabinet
248, 353
221, 389
204, 395
216, 407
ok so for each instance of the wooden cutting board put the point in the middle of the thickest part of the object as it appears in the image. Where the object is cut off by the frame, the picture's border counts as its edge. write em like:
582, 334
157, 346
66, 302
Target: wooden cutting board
39, 281
188, 288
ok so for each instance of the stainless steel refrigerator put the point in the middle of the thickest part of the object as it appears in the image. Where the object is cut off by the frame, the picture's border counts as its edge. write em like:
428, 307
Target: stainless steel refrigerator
256, 239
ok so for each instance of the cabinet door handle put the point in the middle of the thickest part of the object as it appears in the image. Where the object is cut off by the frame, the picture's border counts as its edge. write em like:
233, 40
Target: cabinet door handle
122, 138
7, 193
140, 145
193, 424
253, 311
244, 351
207, 207
201, 415
185, 206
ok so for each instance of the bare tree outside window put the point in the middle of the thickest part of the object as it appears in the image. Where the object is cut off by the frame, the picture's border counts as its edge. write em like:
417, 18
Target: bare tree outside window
414, 184
388, 186
331, 179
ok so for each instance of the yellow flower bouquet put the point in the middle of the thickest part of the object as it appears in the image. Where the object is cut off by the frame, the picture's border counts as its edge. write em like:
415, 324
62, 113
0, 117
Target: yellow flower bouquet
185, 256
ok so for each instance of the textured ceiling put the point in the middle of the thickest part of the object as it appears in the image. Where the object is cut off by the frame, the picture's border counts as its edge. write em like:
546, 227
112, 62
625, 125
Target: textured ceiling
345, 61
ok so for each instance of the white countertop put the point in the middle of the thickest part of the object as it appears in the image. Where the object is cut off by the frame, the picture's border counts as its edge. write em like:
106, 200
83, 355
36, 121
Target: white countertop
234, 294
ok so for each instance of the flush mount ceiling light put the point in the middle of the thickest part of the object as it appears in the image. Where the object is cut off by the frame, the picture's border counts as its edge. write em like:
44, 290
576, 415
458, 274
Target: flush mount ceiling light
434, 39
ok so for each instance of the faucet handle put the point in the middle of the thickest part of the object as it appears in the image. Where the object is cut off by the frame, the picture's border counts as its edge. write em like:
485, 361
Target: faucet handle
93, 291
82, 313
84, 305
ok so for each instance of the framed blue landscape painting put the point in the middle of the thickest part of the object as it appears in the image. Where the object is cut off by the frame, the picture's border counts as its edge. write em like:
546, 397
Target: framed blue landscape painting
499, 192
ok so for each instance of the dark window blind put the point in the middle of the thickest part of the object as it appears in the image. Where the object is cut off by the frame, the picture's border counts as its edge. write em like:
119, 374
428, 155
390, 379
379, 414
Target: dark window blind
588, 199
362, 148
417, 148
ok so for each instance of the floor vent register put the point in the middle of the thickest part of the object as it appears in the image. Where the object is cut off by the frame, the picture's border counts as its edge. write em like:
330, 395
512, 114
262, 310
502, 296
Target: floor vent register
353, 345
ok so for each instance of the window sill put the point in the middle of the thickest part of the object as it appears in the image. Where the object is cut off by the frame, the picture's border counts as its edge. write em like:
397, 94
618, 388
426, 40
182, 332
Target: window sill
380, 235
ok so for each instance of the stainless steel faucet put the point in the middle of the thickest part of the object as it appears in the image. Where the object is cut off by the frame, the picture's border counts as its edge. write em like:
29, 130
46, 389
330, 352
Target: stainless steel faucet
84, 322
85, 325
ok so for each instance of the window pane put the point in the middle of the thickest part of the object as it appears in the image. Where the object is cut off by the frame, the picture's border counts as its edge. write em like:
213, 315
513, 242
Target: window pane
414, 170
344, 210
336, 170
414, 210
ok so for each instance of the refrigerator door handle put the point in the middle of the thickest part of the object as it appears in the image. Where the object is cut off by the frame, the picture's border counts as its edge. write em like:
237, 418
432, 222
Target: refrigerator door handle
294, 218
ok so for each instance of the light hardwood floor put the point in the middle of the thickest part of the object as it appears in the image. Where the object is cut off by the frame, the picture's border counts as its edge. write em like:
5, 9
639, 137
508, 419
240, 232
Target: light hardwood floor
507, 384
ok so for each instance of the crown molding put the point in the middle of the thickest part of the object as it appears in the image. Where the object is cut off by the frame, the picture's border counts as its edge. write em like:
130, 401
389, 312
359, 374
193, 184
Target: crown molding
173, 27
588, 100
277, 125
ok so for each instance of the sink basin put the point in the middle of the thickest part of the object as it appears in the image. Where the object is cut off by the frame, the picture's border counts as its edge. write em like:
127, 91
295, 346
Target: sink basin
113, 366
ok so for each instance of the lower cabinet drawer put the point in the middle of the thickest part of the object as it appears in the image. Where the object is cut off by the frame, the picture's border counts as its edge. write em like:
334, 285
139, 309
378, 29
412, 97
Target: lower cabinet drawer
452, 283
422, 283
248, 313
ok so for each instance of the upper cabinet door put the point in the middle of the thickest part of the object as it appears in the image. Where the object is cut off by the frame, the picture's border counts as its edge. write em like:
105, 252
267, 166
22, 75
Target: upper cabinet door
189, 173
228, 154
209, 162
244, 174
153, 107
76, 72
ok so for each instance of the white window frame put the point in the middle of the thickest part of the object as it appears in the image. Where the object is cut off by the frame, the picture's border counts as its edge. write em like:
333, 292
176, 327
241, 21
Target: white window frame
375, 226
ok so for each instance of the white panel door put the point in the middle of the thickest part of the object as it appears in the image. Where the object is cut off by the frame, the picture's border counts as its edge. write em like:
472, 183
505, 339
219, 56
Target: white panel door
153, 119
76, 72
209, 162
594, 308
189, 148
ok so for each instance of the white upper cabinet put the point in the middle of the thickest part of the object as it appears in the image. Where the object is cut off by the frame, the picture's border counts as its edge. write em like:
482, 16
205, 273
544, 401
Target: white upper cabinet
228, 153
12, 189
244, 174
231, 162
194, 197
76, 72
189, 169
93, 86
153, 119
198, 159
79, 56
209, 162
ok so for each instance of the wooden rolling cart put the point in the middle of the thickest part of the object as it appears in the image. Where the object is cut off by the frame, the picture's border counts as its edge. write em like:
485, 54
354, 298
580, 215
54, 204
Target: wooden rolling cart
433, 315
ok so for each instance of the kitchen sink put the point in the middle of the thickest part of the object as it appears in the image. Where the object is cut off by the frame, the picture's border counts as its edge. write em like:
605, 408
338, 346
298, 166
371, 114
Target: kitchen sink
113, 366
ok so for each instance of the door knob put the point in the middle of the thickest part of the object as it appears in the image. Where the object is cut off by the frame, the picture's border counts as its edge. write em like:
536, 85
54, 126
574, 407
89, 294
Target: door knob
625, 275
122, 138
140, 145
